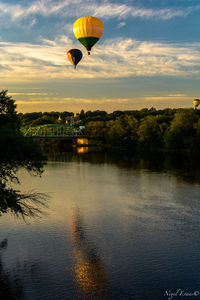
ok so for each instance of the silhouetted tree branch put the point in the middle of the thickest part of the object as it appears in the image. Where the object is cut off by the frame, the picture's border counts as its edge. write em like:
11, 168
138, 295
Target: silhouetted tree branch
17, 152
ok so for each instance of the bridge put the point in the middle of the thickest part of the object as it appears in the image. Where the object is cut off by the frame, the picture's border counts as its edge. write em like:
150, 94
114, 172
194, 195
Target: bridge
53, 131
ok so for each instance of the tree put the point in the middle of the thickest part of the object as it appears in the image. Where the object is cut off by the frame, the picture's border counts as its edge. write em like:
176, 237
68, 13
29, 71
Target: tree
95, 129
82, 114
123, 131
16, 152
44, 120
151, 131
183, 131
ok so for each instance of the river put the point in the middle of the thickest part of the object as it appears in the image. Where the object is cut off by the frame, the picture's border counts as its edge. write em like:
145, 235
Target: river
114, 228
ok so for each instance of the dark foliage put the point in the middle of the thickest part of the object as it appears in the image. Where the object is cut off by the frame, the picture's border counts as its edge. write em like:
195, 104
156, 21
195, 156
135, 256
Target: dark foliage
10, 288
16, 152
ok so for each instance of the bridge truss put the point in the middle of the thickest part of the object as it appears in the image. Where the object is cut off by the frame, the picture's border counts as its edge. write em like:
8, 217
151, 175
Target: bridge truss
52, 130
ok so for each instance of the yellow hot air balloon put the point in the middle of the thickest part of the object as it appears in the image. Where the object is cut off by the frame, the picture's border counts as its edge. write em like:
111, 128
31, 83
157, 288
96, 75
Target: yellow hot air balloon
196, 103
88, 31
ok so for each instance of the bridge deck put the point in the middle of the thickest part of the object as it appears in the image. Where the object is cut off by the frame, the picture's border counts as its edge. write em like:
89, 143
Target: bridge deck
57, 136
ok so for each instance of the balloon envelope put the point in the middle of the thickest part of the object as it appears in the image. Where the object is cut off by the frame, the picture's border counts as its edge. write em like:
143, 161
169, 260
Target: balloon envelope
196, 102
74, 56
88, 31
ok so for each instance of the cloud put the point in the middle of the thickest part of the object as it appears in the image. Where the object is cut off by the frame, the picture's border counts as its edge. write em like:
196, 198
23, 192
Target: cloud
71, 100
104, 9
108, 104
71, 104
115, 58
177, 95
111, 10
120, 25
28, 94
32, 23
168, 97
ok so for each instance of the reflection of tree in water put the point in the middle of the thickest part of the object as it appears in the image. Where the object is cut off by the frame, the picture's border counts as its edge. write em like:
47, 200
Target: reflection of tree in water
183, 166
17, 282
10, 286
90, 273
21, 204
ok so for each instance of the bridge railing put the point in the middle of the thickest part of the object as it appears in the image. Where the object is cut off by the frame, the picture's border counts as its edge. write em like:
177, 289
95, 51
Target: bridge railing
52, 130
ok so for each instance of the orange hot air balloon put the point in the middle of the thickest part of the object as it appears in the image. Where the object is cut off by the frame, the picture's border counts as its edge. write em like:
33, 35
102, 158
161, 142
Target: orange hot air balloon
74, 56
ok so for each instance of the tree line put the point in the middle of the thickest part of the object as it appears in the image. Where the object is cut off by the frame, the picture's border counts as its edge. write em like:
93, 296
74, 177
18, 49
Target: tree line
39, 118
167, 129
176, 130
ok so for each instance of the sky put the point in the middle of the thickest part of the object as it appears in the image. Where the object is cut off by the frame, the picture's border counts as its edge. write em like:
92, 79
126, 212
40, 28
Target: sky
148, 55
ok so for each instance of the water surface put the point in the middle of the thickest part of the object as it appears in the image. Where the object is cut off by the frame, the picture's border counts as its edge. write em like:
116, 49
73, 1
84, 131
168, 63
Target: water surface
115, 228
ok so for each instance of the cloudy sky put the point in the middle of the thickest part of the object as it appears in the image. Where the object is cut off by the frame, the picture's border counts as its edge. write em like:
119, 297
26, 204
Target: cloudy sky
149, 54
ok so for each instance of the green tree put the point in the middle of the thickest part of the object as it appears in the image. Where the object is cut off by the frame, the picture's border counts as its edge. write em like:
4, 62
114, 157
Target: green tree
151, 131
182, 134
82, 114
123, 131
97, 131
45, 119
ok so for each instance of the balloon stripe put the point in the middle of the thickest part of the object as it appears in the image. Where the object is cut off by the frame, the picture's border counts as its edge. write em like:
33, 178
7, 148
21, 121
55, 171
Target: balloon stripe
88, 41
70, 58
92, 21
87, 31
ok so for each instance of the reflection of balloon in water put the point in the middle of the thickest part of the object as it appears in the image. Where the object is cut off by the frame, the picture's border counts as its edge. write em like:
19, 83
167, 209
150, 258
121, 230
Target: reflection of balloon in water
88, 31
74, 56
196, 103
